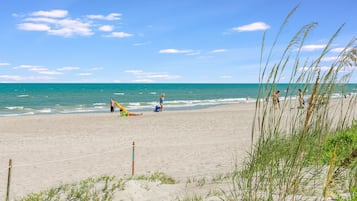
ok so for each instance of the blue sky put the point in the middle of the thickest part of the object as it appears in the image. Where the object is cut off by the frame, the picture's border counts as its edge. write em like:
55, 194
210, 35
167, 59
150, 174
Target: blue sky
158, 41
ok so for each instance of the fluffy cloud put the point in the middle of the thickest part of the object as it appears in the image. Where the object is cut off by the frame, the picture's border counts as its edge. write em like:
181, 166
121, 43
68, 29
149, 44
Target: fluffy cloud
144, 81
57, 22
4, 64
321, 68
38, 69
329, 58
120, 35
175, 51
31, 68
33, 27
50, 72
54, 23
69, 27
218, 51
150, 76
312, 47
110, 17
51, 13
68, 68
256, 26
84, 74
17, 78
106, 28
11, 77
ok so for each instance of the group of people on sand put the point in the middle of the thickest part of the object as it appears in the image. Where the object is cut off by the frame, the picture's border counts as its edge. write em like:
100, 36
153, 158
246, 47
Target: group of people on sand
276, 101
127, 113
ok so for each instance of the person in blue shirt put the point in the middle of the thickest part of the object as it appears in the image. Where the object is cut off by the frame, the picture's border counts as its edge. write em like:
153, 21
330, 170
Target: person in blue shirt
161, 101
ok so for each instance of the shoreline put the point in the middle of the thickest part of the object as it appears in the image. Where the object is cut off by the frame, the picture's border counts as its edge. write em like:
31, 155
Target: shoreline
145, 110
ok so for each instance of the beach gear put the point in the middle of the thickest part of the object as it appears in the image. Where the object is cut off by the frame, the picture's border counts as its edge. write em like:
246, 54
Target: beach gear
123, 114
157, 108
121, 107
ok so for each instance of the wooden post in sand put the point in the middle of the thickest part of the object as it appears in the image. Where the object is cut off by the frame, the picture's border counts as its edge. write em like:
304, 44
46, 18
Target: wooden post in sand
132, 161
8, 180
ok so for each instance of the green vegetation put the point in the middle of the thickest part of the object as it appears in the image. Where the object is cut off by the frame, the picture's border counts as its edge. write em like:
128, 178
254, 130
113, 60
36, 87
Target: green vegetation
102, 188
158, 176
301, 152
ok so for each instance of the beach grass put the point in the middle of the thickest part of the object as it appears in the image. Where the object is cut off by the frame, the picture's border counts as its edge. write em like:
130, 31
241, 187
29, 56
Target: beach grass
102, 188
297, 153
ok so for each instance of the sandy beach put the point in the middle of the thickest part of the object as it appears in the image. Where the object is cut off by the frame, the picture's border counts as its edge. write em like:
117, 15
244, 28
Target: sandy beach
49, 150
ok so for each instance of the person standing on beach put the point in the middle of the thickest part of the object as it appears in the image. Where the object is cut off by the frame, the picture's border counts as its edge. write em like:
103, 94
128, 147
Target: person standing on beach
112, 104
161, 101
301, 100
276, 100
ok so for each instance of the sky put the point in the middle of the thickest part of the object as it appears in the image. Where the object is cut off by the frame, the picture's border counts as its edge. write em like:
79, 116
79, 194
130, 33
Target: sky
158, 41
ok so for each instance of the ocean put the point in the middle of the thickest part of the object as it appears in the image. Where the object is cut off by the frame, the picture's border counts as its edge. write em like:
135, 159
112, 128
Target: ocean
34, 99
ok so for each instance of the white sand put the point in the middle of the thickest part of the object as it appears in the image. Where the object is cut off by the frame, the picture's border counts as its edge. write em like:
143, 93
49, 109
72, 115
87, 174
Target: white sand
48, 150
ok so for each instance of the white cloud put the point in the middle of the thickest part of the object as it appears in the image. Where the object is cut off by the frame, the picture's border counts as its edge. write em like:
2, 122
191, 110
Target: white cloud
4, 64
96, 68
57, 22
106, 28
256, 26
218, 51
144, 81
62, 27
31, 68
11, 77
329, 58
41, 19
85, 74
38, 69
194, 53
120, 35
18, 78
110, 17
340, 49
321, 68
69, 27
33, 27
68, 68
51, 13
50, 72
152, 75
134, 71
141, 44
175, 51
312, 47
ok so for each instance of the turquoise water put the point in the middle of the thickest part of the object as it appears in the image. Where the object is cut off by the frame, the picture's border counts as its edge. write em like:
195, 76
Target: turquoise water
32, 99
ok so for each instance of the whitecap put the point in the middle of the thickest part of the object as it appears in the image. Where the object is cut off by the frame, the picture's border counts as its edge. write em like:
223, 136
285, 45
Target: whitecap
45, 110
15, 108
22, 96
119, 94
99, 104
